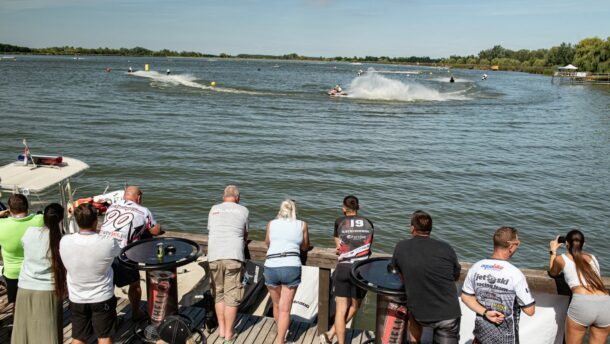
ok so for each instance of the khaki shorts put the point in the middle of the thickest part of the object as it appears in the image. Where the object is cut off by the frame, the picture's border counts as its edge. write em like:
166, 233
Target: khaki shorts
226, 281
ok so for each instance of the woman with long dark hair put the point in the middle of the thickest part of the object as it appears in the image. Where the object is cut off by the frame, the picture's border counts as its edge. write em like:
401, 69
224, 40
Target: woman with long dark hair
42, 283
590, 305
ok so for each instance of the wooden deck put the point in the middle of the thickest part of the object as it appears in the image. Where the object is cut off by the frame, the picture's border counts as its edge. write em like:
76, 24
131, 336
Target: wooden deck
250, 329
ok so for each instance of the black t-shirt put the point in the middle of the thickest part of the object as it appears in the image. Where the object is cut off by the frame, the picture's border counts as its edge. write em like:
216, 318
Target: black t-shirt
428, 267
355, 234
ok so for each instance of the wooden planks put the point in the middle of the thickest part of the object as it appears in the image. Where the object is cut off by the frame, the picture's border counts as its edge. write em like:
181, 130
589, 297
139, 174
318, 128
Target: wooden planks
250, 329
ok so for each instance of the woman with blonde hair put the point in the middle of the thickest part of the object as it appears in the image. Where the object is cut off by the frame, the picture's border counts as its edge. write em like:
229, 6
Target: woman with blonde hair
590, 305
286, 237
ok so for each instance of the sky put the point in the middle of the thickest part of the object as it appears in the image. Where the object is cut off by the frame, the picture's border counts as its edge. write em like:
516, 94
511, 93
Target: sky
435, 28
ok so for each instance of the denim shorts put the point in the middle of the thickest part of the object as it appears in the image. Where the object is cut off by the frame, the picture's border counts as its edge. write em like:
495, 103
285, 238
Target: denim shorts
289, 276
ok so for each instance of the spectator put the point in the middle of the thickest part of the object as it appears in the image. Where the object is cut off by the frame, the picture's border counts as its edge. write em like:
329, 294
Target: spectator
12, 229
228, 232
497, 291
590, 305
42, 283
429, 269
88, 258
286, 237
353, 236
128, 221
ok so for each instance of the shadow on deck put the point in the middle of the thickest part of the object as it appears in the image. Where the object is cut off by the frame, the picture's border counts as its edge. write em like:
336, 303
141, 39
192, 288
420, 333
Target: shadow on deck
250, 329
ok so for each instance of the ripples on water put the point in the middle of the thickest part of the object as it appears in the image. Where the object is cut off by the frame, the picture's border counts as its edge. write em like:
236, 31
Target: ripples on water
513, 150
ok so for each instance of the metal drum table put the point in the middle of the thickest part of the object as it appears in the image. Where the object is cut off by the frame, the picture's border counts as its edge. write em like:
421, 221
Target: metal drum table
159, 258
380, 276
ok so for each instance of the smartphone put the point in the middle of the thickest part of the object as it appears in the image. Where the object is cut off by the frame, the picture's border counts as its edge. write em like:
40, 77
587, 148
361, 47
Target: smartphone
561, 240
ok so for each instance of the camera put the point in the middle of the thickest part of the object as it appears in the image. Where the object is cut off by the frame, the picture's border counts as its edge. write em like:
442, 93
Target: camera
561, 240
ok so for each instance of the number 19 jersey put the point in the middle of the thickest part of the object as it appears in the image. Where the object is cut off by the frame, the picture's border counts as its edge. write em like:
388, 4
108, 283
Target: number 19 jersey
355, 234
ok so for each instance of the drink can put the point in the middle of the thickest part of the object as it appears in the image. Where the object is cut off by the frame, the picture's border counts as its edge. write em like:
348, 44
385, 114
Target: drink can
160, 250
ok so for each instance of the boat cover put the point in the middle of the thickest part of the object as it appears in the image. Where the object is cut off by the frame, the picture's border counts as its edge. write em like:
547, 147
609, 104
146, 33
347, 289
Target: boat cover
19, 177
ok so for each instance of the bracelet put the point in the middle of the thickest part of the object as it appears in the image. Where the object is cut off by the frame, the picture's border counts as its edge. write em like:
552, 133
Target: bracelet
486, 310
552, 253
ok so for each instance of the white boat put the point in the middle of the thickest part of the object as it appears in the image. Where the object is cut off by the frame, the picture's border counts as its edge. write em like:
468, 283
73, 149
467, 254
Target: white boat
41, 174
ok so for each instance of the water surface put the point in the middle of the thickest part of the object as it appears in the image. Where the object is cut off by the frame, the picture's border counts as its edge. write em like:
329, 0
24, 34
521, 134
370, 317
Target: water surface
513, 150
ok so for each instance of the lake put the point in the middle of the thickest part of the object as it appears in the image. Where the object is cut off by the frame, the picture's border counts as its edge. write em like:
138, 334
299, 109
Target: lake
512, 150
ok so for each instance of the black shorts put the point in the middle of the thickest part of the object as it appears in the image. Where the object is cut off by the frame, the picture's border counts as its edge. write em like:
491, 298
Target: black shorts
98, 319
444, 331
123, 275
343, 285
11, 289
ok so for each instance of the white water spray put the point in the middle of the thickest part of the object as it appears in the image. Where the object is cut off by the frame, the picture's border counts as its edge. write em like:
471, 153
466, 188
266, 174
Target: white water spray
377, 87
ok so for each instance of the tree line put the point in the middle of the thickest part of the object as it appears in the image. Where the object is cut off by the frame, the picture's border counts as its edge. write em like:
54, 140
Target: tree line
590, 54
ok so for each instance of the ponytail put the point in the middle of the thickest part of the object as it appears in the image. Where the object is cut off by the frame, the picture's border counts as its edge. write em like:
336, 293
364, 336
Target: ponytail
288, 210
53, 215
584, 270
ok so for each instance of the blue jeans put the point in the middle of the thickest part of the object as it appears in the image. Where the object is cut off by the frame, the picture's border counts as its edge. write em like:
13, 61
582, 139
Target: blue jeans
289, 276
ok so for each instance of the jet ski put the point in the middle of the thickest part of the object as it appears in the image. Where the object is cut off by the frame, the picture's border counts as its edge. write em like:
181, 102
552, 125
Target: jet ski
336, 93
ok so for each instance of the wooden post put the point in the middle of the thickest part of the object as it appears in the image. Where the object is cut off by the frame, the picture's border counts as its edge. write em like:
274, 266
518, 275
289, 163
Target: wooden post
323, 300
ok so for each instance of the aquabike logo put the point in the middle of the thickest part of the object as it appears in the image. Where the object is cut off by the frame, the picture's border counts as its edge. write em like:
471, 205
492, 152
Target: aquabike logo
496, 267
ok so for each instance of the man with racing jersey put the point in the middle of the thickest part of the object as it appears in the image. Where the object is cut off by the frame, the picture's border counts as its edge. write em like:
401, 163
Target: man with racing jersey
497, 292
353, 238
128, 221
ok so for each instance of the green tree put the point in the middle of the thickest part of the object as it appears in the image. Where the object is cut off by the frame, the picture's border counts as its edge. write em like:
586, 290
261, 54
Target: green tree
560, 55
590, 53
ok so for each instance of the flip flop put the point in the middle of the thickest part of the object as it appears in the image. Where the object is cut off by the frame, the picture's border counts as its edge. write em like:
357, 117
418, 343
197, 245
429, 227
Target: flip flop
324, 339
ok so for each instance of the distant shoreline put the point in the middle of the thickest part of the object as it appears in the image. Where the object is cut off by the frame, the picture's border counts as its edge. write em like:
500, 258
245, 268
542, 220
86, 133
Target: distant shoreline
530, 70
588, 55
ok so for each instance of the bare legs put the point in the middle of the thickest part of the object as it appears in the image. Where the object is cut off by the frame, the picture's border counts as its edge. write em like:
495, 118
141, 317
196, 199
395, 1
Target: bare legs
345, 310
576, 332
282, 297
226, 319
135, 294
598, 335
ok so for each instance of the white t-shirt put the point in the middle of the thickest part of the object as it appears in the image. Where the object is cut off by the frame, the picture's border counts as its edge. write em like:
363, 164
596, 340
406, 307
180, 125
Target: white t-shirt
36, 272
500, 286
227, 225
126, 221
88, 261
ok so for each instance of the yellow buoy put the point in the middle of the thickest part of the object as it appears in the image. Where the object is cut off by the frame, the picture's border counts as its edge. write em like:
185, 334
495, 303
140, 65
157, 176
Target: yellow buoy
213, 83
146, 67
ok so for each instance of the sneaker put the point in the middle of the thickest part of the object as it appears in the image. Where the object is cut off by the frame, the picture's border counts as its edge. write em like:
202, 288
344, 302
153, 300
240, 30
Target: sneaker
324, 339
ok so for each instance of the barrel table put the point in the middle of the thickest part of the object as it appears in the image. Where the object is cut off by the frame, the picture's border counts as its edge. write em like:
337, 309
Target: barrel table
381, 277
159, 258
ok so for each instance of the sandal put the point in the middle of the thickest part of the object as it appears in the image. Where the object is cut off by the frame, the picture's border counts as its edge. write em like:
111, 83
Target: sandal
324, 339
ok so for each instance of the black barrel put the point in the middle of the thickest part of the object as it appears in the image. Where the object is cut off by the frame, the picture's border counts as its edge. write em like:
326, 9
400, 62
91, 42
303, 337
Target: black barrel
380, 276
159, 257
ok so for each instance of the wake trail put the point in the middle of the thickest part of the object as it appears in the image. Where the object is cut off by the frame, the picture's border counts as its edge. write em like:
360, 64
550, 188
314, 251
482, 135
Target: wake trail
188, 80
